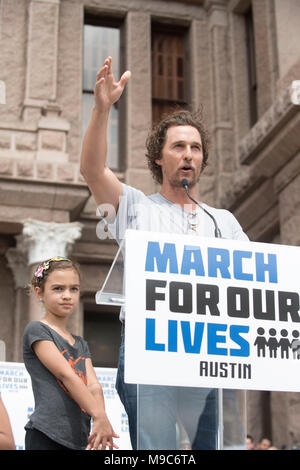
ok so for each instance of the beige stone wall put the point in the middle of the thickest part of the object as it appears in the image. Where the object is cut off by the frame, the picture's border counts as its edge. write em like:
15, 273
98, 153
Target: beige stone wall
265, 190
252, 171
287, 19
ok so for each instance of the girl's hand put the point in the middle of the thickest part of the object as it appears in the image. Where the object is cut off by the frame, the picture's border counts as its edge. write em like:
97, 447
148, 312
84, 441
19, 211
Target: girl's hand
102, 435
107, 91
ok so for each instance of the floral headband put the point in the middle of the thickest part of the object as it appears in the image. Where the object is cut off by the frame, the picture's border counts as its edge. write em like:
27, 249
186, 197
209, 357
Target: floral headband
43, 267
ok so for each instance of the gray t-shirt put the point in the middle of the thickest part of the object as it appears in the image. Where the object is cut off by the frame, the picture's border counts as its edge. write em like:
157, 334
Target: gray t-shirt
56, 414
155, 213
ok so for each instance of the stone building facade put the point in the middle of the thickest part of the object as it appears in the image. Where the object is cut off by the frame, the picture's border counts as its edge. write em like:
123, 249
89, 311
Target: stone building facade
239, 59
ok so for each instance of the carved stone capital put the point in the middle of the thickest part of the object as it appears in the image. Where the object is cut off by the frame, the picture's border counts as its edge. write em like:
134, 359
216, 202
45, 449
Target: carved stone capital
44, 240
18, 263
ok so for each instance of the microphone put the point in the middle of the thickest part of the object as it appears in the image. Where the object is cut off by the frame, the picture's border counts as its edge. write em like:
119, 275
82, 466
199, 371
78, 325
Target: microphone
185, 185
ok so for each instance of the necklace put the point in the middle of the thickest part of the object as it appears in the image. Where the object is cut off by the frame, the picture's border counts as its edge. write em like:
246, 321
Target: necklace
193, 221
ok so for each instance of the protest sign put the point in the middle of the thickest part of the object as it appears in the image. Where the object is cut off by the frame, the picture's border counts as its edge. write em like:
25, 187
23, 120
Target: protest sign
17, 396
211, 312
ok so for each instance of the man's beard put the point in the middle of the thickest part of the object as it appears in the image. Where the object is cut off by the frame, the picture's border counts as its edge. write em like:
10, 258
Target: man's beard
176, 181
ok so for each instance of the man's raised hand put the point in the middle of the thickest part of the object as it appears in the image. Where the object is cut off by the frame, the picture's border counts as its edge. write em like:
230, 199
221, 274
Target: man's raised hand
107, 91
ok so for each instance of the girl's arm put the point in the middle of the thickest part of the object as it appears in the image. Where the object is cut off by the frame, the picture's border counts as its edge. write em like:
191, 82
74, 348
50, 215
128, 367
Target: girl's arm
6, 435
52, 359
103, 423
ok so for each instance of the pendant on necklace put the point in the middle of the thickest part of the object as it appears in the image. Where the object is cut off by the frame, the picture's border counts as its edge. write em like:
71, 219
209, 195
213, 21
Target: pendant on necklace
193, 221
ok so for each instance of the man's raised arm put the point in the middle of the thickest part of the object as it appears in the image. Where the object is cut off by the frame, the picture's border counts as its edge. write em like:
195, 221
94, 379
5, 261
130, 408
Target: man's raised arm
104, 185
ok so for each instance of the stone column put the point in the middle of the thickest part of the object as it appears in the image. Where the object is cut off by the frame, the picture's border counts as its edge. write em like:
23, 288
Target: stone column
139, 114
222, 152
41, 79
44, 240
40, 104
201, 98
17, 261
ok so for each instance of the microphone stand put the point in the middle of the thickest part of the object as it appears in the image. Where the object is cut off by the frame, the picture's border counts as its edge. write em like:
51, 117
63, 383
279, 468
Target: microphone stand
185, 185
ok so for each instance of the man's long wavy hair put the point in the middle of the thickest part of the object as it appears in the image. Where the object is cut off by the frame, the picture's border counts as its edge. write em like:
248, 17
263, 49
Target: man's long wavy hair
156, 139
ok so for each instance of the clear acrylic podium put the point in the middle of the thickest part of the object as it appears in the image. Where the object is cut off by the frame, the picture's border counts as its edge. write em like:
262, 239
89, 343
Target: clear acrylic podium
180, 418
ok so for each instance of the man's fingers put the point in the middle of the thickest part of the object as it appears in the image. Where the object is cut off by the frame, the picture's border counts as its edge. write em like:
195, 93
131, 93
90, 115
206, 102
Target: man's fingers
108, 63
106, 67
106, 70
101, 72
125, 77
99, 81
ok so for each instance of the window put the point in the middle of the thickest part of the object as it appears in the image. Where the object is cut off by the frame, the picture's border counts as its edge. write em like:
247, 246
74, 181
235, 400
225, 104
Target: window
251, 67
98, 43
169, 70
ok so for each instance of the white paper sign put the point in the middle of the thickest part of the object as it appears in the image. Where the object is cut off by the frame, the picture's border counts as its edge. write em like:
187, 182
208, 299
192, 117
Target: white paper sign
17, 396
207, 312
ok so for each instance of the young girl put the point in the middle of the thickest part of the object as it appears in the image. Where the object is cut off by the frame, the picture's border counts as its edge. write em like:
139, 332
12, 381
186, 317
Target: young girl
66, 390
